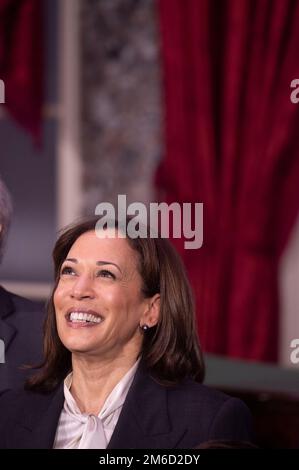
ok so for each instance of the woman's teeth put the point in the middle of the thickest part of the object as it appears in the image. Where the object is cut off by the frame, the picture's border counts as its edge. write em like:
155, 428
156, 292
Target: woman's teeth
80, 317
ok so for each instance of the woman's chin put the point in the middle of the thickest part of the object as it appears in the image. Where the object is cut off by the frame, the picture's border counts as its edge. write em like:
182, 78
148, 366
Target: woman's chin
79, 345
81, 349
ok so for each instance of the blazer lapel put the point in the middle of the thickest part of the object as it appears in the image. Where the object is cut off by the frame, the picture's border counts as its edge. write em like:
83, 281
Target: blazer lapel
7, 331
144, 422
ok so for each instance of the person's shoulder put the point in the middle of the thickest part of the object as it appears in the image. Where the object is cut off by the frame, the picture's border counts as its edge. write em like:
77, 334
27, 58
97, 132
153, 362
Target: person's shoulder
197, 392
24, 304
208, 413
14, 399
20, 408
21, 308
17, 402
11, 402
207, 400
189, 391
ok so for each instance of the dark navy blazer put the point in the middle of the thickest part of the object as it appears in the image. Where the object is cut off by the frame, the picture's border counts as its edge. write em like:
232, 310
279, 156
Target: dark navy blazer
21, 330
153, 417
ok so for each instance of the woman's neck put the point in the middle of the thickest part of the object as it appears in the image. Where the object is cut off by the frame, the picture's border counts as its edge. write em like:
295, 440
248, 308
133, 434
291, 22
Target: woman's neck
93, 381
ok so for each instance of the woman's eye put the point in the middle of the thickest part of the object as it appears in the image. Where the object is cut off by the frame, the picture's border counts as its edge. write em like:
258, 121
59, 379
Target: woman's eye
106, 273
67, 270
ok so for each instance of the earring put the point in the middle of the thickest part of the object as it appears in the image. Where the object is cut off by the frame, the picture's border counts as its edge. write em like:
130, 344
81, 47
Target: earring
144, 327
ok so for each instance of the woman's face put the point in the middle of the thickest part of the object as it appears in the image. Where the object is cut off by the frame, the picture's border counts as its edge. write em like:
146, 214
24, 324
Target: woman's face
98, 301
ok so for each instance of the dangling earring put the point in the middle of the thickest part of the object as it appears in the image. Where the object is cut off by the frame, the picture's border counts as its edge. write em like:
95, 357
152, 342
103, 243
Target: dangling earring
144, 327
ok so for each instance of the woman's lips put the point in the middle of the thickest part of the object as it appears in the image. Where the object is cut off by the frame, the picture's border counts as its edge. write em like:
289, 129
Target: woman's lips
77, 325
81, 318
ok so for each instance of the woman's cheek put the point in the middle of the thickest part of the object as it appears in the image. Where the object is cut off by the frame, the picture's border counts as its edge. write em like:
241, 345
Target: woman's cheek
59, 295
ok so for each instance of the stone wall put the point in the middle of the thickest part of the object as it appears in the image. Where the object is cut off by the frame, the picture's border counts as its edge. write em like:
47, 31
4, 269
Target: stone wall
120, 99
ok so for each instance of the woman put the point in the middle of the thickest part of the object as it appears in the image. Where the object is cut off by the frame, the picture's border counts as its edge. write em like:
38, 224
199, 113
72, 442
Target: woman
122, 364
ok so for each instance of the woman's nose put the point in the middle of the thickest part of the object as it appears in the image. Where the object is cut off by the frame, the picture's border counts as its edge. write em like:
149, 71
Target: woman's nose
82, 288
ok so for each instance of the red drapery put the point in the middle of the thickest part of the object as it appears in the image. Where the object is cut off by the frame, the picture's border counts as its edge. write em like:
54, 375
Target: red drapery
21, 66
232, 142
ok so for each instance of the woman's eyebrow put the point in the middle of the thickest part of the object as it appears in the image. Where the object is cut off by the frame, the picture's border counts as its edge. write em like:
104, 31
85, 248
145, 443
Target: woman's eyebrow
98, 263
102, 263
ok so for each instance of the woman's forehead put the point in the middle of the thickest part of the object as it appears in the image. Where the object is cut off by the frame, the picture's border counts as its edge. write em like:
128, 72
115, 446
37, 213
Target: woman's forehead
89, 245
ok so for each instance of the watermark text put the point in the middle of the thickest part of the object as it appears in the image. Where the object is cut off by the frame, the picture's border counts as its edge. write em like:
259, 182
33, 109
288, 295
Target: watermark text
294, 96
294, 357
179, 220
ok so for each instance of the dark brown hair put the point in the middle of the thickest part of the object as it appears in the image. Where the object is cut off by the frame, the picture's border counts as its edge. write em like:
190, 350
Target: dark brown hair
170, 350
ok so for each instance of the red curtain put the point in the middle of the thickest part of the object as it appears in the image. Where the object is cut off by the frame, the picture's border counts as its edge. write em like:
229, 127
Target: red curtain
21, 68
232, 143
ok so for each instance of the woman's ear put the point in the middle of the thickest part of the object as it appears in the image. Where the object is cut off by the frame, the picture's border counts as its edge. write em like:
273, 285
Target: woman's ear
152, 313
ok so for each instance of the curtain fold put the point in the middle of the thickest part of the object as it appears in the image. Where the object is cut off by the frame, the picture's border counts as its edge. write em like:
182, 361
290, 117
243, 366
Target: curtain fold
21, 62
230, 136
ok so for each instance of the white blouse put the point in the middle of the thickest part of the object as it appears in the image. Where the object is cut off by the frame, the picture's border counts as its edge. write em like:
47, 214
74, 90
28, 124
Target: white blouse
78, 430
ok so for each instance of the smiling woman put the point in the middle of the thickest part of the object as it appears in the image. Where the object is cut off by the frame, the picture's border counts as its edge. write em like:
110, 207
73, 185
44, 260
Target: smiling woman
122, 364
99, 303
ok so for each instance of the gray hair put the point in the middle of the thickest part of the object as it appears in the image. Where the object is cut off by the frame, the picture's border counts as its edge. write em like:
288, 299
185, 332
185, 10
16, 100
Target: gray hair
5, 215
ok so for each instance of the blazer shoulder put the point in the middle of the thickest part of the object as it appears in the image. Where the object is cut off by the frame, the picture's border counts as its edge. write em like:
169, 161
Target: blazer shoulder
223, 416
21, 303
13, 303
193, 392
17, 403
11, 403
20, 410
